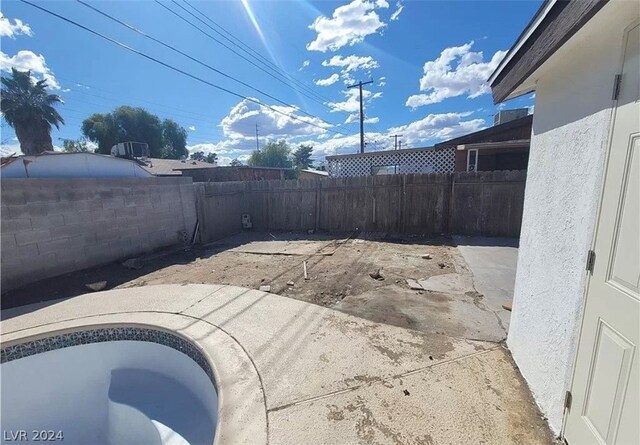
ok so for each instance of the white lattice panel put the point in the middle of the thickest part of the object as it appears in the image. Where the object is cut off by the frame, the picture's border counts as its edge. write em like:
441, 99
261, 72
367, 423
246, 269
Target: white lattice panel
414, 161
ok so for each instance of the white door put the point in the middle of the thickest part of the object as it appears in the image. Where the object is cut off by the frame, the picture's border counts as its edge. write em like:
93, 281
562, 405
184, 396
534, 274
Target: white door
605, 388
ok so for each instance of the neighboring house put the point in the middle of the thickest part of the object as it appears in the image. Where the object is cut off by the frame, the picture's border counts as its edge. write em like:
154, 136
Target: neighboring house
241, 173
53, 164
576, 311
307, 173
505, 146
172, 167
389, 162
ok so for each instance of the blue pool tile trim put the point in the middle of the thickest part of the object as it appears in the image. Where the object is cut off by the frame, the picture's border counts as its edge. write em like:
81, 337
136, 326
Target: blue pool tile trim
70, 339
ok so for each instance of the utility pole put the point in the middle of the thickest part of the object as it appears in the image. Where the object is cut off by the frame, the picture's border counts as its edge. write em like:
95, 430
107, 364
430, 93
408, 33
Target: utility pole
359, 85
395, 137
395, 147
257, 143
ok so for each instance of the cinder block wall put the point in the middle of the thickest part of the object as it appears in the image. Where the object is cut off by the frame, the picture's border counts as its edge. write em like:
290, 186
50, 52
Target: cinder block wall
55, 226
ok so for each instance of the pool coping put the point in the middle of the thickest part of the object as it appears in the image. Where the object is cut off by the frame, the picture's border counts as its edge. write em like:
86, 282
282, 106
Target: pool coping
241, 418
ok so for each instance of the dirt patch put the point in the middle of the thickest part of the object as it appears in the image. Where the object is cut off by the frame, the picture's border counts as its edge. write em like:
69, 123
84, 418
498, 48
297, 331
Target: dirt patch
363, 274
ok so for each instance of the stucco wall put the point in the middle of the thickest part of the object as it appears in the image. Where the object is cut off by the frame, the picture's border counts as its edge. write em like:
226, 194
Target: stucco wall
570, 132
54, 226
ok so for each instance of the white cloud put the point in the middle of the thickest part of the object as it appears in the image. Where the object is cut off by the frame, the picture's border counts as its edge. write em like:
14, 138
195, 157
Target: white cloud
328, 81
352, 102
305, 64
242, 119
192, 128
355, 117
9, 149
423, 132
352, 63
436, 127
396, 13
382, 81
11, 30
28, 60
239, 128
349, 24
226, 150
442, 80
347, 79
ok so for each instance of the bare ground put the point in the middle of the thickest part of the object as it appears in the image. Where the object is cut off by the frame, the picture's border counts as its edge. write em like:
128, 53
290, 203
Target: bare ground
339, 270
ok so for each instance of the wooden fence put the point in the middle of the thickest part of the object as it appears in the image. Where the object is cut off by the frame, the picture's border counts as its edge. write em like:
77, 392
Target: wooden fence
483, 203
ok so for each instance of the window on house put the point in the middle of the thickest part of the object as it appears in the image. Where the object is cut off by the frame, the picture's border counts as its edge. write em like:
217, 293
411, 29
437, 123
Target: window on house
472, 160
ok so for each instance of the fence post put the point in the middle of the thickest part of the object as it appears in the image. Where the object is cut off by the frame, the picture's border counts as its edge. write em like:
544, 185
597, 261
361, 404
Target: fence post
403, 222
451, 204
318, 187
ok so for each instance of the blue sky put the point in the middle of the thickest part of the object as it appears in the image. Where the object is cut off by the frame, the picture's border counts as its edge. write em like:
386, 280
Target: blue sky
429, 61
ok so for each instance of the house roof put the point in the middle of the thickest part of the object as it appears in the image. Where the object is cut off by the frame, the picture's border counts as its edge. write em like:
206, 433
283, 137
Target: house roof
555, 22
60, 164
315, 172
517, 129
172, 167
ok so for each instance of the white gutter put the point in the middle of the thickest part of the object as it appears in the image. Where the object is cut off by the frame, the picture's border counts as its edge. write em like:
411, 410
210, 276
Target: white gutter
523, 38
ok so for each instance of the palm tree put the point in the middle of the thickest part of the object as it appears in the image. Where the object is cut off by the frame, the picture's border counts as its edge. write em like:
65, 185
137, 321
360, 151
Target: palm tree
28, 108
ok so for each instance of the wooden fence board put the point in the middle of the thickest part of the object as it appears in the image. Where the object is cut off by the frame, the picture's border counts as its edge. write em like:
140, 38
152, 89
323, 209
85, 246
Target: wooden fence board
482, 203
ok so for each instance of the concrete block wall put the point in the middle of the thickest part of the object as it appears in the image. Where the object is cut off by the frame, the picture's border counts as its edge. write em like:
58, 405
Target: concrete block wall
55, 226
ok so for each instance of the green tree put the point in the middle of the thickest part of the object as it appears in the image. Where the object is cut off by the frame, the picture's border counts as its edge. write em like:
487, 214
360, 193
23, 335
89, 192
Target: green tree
302, 156
29, 109
165, 138
274, 154
73, 146
236, 163
102, 129
198, 156
174, 140
211, 158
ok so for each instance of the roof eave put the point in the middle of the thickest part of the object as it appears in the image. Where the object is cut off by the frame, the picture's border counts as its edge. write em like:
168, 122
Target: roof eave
555, 23
523, 37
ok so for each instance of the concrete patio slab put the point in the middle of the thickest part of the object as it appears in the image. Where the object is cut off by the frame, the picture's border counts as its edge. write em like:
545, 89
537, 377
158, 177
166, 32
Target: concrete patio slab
453, 283
470, 400
305, 350
492, 262
322, 376
171, 299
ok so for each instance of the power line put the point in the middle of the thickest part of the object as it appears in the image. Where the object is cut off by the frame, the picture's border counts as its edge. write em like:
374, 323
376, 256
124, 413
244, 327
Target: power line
321, 99
395, 137
259, 58
255, 53
166, 45
173, 68
233, 50
201, 117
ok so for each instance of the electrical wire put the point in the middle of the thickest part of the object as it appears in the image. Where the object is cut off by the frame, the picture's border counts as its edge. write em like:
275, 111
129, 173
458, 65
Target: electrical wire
240, 43
222, 73
178, 70
279, 79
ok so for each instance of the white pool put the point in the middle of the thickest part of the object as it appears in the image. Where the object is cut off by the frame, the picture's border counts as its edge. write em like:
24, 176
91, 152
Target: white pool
108, 392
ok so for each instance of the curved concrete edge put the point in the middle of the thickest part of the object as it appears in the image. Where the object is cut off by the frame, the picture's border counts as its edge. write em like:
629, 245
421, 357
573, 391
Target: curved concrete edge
242, 414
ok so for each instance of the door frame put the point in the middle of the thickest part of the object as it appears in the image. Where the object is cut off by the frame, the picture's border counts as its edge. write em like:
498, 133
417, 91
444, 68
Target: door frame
587, 285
